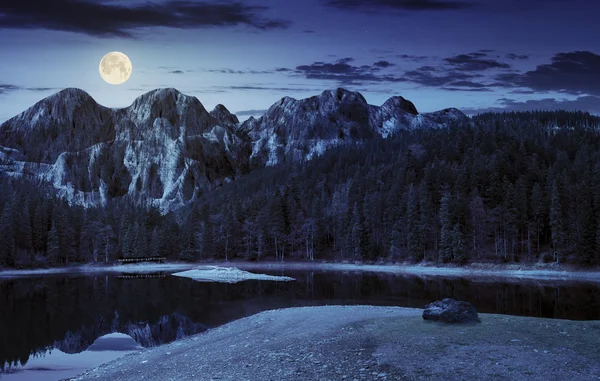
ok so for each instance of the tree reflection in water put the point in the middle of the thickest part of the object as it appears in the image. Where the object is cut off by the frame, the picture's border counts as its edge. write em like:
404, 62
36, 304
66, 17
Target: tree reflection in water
70, 313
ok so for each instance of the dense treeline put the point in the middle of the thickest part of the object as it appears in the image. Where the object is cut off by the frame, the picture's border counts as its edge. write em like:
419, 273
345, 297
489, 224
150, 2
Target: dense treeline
512, 187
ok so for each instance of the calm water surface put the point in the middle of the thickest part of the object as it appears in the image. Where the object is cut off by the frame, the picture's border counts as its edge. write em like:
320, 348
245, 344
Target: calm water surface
68, 313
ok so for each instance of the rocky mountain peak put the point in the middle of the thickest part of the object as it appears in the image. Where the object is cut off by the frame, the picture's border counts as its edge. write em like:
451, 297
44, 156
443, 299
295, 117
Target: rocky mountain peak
398, 102
222, 114
166, 148
342, 95
68, 120
167, 98
448, 116
168, 107
71, 93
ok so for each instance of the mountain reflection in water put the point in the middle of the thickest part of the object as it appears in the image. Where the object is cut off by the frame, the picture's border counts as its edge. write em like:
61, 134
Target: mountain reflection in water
70, 313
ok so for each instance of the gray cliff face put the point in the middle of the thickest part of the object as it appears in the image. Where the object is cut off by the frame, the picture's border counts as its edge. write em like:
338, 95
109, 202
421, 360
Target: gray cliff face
221, 113
165, 148
302, 129
162, 150
54, 125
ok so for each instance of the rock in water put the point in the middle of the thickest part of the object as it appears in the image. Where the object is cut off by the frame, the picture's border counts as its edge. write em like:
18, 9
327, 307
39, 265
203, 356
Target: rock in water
451, 311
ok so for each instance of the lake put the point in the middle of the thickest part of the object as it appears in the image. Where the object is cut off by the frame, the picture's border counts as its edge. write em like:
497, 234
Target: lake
66, 314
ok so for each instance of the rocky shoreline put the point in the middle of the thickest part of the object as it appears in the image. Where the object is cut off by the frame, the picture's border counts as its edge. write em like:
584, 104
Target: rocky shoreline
369, 343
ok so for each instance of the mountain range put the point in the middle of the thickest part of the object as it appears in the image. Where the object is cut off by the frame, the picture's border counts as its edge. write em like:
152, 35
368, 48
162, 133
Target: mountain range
166, 149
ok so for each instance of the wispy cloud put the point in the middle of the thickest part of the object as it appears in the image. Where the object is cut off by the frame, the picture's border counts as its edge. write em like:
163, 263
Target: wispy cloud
477, 61
245, 71
513, 56
266, 88
344, 71
410, 57
7, 88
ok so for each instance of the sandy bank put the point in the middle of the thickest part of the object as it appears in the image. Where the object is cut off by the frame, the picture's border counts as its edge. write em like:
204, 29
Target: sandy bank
369, 343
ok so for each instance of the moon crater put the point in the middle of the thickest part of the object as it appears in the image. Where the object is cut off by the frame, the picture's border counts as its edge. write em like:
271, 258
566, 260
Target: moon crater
115, 68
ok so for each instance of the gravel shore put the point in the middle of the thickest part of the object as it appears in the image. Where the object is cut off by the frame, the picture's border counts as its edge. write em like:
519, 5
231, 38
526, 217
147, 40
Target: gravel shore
369, 343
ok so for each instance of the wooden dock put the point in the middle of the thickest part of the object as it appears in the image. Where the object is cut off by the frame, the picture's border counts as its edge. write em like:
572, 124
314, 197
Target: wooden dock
141, 276
143, 259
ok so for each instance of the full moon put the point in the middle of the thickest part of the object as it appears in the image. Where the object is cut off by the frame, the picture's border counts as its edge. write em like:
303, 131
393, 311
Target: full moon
115, 68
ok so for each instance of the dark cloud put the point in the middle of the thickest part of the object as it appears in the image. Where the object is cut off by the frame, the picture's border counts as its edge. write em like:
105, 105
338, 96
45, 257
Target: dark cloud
445, 5
470, 84
344, 72
232, 71
176, 72
383, 64
266, 88
573, 73
435, 77
114, 19
410, 57
250, 112
474, 62
40, 88
478, 54
402, 5
585, 103
513, 56
468, 89
523, 91
467, 84
309, 31
7, 88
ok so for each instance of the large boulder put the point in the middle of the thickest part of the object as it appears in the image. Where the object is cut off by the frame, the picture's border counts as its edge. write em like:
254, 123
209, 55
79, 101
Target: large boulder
451, 311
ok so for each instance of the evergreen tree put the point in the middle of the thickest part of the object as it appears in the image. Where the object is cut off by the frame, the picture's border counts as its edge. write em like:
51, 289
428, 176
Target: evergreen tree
40, 226
7, 235
586, 224
446, 227
24, 232
537, 204
556, 223
457, 243
429, 234
53, 254
415, 242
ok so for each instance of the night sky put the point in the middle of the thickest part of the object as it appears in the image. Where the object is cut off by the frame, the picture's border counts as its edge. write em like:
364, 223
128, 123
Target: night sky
472, 54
